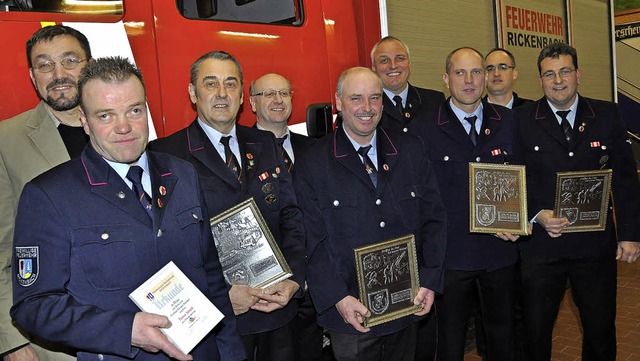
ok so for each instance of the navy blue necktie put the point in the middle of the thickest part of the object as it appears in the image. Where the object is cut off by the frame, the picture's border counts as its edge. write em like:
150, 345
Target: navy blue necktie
368, 164
285, 154
135, 176
398, 100
230, 159
566, 126
473, 133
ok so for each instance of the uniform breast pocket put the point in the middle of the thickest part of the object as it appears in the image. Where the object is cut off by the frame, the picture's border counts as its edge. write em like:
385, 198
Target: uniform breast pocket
107, 255
408, 204
190, 234
340, 212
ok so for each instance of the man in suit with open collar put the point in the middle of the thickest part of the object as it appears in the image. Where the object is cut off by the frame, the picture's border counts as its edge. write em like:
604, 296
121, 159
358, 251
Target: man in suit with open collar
348, 204
93, 229
564, 131
465, 129
33, 142
249, 166
271, 101
390, 60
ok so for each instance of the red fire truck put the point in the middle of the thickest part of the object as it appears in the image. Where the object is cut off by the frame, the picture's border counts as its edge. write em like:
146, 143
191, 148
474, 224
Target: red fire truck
308, 41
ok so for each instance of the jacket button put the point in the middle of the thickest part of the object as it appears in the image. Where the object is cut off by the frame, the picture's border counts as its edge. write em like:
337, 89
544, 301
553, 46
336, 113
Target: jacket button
378, 202
570, 154
336, 203
477, 159
104, 236
405, 129
536, 148
100, 357
195, 216
446, 158
413, 194
382, 224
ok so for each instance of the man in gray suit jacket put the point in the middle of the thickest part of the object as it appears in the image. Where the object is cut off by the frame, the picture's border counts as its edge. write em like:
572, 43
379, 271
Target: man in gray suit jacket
33, 142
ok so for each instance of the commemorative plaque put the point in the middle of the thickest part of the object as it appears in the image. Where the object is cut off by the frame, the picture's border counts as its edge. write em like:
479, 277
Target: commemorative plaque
583, 197
497, 198
247, 250
388, 279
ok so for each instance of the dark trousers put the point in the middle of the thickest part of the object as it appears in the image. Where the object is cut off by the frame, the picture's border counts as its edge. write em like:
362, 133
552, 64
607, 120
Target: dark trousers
593, 287
497, 298
399, 346
427, 343
274, 345
308, 335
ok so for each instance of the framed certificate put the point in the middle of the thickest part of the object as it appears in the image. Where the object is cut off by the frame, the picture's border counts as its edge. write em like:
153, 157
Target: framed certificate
388, 279
247, 250
583, 197
497, 198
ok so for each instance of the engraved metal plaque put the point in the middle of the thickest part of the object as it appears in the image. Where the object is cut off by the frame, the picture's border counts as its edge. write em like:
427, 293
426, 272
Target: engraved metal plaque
388, 279
247, 250
497, 198
583, 197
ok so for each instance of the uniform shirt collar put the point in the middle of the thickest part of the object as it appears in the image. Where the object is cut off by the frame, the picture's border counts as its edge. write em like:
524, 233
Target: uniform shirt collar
123, 168
571, 117
403, 94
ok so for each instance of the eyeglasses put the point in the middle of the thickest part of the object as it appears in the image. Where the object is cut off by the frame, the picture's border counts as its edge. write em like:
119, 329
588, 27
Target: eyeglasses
501, 67
284, 93
49, 65
550, 75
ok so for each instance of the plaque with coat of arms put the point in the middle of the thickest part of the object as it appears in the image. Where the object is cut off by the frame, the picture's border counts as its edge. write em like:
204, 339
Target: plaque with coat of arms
388, 279
497, 198
583, 198
248, 253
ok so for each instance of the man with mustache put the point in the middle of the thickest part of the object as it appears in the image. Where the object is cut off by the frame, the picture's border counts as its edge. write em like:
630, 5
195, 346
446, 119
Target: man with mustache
465, 129
235, 163
33, 142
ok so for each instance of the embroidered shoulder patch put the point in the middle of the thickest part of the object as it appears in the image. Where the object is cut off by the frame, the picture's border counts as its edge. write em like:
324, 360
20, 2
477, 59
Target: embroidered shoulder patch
27, 265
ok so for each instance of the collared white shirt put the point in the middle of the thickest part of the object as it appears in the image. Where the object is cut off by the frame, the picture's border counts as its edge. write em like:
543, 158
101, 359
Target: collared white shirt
286, 144
509, 104
571, 117
215, 136
373, 151
461, 114
122, 169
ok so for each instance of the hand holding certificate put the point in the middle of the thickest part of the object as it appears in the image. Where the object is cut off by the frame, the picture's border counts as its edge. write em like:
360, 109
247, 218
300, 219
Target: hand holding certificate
170, 293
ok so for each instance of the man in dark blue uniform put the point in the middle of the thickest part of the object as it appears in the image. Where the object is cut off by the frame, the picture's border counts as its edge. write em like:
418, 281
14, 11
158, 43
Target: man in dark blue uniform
235, 163
351, 200
502, 74
464, 129
83, 240
564, 131
404, 104
272, 101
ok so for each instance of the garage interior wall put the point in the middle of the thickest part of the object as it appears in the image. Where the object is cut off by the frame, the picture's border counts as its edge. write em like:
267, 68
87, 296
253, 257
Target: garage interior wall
433, 28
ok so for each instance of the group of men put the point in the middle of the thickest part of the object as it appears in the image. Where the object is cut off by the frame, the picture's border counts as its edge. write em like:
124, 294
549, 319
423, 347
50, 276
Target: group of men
93, 209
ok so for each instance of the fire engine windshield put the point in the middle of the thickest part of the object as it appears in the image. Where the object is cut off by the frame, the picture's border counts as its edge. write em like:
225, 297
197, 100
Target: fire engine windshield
282, 12
107, 7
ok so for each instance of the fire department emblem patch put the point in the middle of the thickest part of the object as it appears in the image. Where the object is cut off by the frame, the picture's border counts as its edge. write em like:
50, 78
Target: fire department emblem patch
27, 259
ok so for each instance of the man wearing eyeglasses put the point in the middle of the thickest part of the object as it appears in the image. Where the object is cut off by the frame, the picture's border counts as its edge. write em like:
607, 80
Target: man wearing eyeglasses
33, 142
565, 131
236, 163
404, 104
271, 101
501, 77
